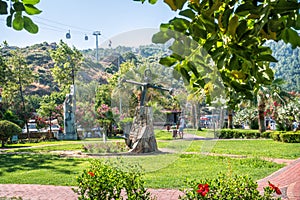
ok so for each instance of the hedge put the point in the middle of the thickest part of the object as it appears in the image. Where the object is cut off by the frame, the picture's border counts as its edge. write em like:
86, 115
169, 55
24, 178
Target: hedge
289, 137
238, 133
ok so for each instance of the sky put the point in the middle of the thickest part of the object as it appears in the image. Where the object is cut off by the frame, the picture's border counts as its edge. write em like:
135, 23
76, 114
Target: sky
124, 22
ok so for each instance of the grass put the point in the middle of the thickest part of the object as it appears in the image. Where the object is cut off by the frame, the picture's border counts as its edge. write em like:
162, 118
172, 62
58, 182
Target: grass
34, 164
53, 170
254, 148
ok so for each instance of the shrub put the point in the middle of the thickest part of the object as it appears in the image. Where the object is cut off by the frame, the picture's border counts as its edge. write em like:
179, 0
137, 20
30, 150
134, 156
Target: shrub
105, 179
266, 134
290, 137
238, 133
276, 135
227, 187
108, 147
8, 129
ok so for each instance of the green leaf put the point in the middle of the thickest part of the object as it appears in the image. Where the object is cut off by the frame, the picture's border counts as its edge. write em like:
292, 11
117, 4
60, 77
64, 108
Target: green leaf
233, 24
152, 1
180, 24
3, 8
31, 10
30, 26
160, 37
32, 2
187, 13
175, 4
9, 21
198, 31
293, 38
268, 58
168, 61
18, 22
244, 9
18, 6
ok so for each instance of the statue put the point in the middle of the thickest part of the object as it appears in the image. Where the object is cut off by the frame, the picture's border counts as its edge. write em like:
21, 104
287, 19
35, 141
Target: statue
69, 115
141, 137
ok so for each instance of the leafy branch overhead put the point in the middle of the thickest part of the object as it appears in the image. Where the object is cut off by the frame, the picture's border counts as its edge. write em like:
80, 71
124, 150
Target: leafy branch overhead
16, 11
232, 33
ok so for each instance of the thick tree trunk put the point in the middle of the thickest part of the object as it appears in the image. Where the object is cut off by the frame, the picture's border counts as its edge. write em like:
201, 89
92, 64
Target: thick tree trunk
261, 116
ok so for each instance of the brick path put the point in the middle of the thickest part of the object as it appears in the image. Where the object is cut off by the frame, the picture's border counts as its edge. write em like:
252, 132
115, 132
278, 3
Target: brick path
288, 179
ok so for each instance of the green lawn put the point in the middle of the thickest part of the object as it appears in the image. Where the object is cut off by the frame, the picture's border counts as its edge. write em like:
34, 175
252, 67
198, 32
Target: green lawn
169, 169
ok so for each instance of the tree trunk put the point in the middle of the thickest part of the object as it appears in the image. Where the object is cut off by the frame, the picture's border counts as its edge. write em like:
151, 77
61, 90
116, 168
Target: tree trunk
230, 118
142, 137
261, 115
3, 143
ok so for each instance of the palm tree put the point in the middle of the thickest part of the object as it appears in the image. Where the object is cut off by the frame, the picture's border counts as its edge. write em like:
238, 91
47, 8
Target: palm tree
274, 93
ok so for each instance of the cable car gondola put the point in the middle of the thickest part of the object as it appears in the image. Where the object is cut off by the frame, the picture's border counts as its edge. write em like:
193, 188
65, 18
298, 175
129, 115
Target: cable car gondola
68, 35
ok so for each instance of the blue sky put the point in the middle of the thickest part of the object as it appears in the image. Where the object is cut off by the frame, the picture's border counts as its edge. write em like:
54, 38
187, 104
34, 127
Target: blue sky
124, 22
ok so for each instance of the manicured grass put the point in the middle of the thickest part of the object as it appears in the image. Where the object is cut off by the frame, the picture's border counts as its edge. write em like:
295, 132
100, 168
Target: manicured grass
169, 170
179, 160
254, 148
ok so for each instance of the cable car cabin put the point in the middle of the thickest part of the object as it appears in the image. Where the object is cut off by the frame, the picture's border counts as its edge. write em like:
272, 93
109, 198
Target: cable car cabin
86, 37
68, 35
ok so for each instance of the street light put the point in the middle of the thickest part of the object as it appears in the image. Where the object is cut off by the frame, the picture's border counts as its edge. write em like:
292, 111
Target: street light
97, 33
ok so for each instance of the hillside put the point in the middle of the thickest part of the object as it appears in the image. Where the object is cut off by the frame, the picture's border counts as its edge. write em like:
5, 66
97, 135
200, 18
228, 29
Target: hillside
38, 58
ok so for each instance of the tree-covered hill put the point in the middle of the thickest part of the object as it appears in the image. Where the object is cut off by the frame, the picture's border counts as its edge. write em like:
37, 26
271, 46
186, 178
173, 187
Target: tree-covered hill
288, 65
38, 58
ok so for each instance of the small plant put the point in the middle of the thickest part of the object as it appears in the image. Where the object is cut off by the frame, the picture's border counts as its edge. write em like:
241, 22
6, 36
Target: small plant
106, 180
109, 147
228, 187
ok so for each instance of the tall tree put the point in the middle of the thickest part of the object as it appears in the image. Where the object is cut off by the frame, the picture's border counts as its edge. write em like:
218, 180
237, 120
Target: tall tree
22, 76
67, 63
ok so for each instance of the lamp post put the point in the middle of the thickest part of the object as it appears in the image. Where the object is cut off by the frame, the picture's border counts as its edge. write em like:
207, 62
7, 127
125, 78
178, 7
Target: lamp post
97, 33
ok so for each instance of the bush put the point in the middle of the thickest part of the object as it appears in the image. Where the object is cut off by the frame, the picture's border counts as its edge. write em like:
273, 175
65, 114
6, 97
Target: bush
227, 187
290, 137
108, 147
238, 133
276, 135
266, 134
8, 129
105, 179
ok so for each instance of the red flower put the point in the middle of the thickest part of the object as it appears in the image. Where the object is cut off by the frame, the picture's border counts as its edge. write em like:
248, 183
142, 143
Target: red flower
203, 189
91, 173
275, 188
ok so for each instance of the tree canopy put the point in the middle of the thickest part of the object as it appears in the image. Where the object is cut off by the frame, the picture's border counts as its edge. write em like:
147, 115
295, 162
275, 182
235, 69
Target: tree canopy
231, 34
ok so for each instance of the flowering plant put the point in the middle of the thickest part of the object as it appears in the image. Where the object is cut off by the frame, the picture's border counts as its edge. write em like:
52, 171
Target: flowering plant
228, 187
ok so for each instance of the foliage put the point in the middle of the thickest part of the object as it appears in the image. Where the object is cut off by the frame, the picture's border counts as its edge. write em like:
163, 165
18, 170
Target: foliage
108, 147
8, 129
106, 180
238, 133
67, 63
226, 187
225, 39
287, 66
289, 137
286, 114
16, 17
86, 115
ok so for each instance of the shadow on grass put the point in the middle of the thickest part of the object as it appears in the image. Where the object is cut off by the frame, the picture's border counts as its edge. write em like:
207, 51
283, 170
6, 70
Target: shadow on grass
28, 162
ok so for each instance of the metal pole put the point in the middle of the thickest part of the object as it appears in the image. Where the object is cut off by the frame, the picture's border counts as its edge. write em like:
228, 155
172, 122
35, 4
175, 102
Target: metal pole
97, 33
